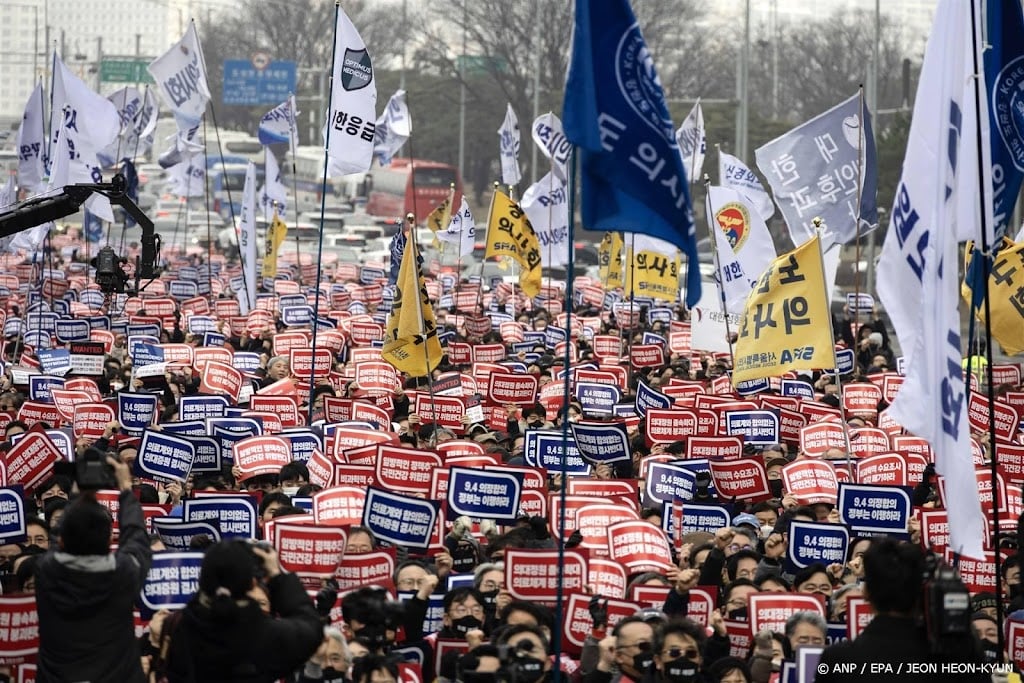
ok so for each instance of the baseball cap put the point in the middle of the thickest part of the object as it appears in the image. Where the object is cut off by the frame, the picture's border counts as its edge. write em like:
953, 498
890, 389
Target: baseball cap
746, 518
772, 462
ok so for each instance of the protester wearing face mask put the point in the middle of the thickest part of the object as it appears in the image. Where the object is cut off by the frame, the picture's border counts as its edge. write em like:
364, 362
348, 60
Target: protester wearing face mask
678, 656
526, 654
463, 619
632, 653
330, 663
489, 579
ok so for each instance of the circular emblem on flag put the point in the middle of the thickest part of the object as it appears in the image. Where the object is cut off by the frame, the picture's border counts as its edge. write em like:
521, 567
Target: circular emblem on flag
638, 80
734, 220
1008, 109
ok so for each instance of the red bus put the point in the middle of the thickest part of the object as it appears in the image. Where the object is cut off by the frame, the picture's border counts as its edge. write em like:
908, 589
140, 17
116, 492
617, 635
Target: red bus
410, 186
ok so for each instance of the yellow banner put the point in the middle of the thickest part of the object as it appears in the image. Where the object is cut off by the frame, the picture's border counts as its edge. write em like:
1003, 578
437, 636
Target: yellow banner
786, 324
410, 343
509, 233
440, 217
610, 260
1005, 297
277, 232
653, 274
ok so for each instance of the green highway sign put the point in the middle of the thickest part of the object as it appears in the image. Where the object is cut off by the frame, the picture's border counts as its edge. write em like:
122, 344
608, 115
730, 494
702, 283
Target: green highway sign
124, 71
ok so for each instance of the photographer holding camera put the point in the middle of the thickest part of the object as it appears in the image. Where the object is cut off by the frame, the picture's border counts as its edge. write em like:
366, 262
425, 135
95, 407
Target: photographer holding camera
85, 593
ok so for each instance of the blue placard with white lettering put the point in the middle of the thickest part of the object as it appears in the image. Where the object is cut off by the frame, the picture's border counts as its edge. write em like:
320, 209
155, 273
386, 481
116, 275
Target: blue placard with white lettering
172, 580
135, 412
43, 321
599, 442
837, 633
401, 520
72, 330
652, 338
13, 327
182, 289
553, 335
214, 339
38, 339
303, 442
369, 275
188, 273
235, 516
534, 337
846, 360
12, 515
811, 542
484, 494
289, 300
248, 86
135, 340
40, 387
64, 441
295, 316
544, 448
304, 502
648, 397
61, 307
176, 533
748, 387
755, 426
797, 388
597, 398
201, 324
100, 322
874, 509
246, 361
207, 457
52, 361
515, 366
624, 410
93, 298
709, 518
202, 407
668, 482
146, 354
146, 330
185, 428
164, 457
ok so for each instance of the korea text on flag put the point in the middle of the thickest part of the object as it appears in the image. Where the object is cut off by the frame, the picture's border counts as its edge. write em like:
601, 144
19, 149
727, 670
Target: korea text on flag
917, 280
509, 233
693, 143
278, 125
632, 175
351, 117
410, 343
786, 324
743, 244
393, 128
180, 75
1006, 297
508, 147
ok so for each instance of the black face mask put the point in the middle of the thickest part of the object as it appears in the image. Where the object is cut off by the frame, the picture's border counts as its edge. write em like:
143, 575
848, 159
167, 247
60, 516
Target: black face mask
738, 614
332, 675
775, 486
464, 625
490, 597
529, 668
476, 677
681, 670
643, 661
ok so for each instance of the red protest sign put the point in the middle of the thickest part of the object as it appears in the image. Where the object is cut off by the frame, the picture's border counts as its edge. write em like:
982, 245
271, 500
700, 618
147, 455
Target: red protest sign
1006, 418
593, 522
603, 488
534, 574
256, 455
934, 530
303, 364
742, 479
65, 402
339, 506
366, 569
309, 550
810, 482
887, 469
350, 438
639, 546
446, 411
377, 377
367, 412
670, 425
578, 623
405, 469
867, 441
32, 412
606, 577
354, 475
860, 398
978, 575
816, 439
221, 378
858, 615
19, 629
30, 460
503, 389
740, 638
286, 408
487, 353
719, 447
771, 610
908, 445
1010, 461
91, 419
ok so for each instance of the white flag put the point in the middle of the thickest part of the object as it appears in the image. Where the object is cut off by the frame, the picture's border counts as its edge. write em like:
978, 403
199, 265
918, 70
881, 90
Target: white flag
188, 178
247, 236
693, 143
279, 124
550, 138
183, 146
546, 204
461, 230
508, 148
91, 119
273, 194
734, 173
744, 246
138, 112
180, 74
393, 128
31, 143
353, 110
917, 272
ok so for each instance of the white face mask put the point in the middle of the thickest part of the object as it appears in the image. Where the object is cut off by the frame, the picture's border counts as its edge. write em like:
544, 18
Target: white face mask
289, 490
766, 531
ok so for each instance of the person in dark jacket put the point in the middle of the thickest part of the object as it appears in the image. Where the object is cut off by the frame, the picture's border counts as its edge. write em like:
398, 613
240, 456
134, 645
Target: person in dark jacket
224, 636
85, 593
896, 636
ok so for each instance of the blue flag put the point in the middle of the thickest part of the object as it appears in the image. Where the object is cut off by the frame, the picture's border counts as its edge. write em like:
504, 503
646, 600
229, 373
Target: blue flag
92, 226
397, 248
615, 113
1004, 70
131, 177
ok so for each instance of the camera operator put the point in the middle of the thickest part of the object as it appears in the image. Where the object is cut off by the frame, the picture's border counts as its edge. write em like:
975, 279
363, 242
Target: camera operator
85, 593
894, 574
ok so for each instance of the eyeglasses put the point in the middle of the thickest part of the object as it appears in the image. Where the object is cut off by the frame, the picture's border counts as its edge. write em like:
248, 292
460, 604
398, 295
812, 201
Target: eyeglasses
462, 610
736, 603
490, 585
642, 645
677, 652
815, 588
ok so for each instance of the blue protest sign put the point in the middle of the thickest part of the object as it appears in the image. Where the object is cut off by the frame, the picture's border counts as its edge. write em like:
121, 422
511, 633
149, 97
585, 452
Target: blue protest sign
400, 520
246, 361
41, 386
182, 289
172, 580
753, 386
38, 339
874, 509
755, 426
846, 360
214, 339
668, 482
13, 327
652, 338
289, 300
72, 330
811, 542
135, 412
235, 516
553, 335
207, 457
597, 398
599, 442
62, 307
64, 441
201, 324
544, 448
303, 442
229, 431
533, 338
202, 407
484, 494
12, 515
165, 456
144, 330
709, 518
648, 397
185, 428
797, 388
624, 410
44, 321
52, 361
93, 298
144, 354
296, 316
368, 275
176, 533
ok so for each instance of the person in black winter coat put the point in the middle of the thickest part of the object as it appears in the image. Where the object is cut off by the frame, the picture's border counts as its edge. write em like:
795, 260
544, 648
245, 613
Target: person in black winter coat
224, 636
85, 594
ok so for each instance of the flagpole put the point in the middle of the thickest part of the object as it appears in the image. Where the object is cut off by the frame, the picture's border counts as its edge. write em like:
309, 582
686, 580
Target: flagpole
410, 219
487, 242
515, 266
323, 208
718, 266
860, 191
632, 292
693, 155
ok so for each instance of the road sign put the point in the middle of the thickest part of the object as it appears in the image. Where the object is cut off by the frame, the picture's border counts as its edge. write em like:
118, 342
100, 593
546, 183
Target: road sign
124, 71
245, 84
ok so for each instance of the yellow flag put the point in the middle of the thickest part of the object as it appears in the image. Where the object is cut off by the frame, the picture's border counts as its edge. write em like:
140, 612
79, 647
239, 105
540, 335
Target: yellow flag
440, 217
410, 343
610, 260
277, 231
653, 274
786, 324
509, 233
1005, 297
